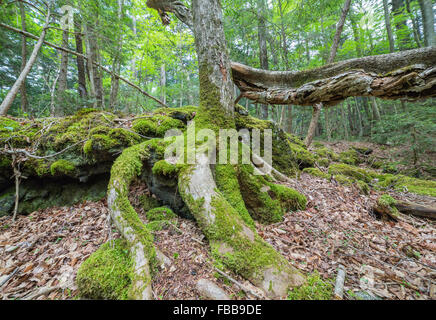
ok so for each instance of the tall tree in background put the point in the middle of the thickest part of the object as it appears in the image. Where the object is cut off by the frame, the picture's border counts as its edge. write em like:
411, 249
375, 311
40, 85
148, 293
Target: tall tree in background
402, 30
263, 50
10, 97
116, 66
388, 26
23, 56
333, 50
80, 61
428, 22
63, 73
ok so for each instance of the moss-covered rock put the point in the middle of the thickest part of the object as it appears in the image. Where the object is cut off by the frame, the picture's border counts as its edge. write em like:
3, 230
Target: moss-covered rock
159, 214
62, 167
353, 172
106, 274
157, 125
349, 157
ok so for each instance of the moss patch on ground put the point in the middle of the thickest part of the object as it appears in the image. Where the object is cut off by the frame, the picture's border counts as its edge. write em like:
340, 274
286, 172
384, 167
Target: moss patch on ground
315, 288
106, 274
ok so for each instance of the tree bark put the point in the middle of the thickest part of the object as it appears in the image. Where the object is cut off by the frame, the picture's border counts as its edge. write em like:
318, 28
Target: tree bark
375, 110
10, 97
428, 22
80, 61
263, 51
402, 30
388, 26
116, 66
163, 83
24, 101
408, 74
62, 78
313, 124
339, 28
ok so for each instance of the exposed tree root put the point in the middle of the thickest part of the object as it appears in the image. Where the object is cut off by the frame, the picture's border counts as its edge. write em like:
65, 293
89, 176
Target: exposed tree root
125, 218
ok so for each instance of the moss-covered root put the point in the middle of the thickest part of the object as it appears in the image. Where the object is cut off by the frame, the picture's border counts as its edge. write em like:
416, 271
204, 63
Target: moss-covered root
233, 242
125, 218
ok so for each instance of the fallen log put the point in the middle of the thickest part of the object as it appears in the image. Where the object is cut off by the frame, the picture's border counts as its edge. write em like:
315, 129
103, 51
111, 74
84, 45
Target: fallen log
416, 210
387, 206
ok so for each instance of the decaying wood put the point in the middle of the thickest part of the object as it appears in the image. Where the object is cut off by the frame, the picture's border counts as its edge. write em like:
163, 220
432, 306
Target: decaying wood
416, 210
403, 207
340, 281
407, 74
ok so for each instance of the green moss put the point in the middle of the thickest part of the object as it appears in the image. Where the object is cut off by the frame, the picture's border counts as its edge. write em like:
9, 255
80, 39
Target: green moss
166, 169
315, 289
344, 180
185, 114
404, 183
363, 187
389, 167
157, 125
8, 125
353, 172
106, 274
62, 167
266, 201
349, 157
148, 202
161, 213
324, 152
317, 173
227, 182
126, 168
38, 167
387, 200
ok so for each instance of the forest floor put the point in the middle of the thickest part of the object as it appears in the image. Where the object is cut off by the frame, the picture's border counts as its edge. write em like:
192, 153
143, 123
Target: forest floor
386, 260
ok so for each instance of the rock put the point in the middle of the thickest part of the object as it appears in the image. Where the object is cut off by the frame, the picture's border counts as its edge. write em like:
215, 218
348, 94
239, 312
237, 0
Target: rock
163, 260
363, 295
210, 290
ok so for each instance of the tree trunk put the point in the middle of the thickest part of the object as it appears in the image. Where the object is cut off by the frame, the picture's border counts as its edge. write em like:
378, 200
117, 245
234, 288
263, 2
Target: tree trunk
80, 61
414, 24
428, 22
313, 124
62, 79
388, 26
290, 119
263, 51
96, 73
402, 30
375, 110
339, 28
23, 58
327, 124
116, 66
10, 97
344, 122
90, 62
163, 83
203, 190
